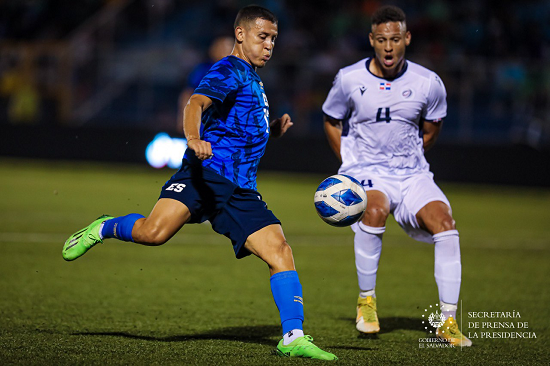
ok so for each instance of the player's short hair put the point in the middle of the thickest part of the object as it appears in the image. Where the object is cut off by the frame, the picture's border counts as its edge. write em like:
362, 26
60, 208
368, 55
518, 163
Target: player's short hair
388, 13
250, 13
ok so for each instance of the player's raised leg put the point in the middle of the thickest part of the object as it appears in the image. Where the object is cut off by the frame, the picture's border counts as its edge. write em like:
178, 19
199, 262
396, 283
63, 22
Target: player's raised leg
368, 247
436, 218
269, 244
167, 217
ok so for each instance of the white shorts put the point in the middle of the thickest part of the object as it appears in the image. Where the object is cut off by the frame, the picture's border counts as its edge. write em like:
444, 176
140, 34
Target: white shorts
407, 195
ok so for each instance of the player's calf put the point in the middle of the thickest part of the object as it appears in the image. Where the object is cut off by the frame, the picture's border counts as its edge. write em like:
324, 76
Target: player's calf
146, 235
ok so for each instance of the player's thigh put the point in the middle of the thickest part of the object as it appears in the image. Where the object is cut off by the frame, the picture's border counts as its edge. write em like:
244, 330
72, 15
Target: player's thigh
423, 204
436, 217
378, 209
166, 218
269, 244
381, 192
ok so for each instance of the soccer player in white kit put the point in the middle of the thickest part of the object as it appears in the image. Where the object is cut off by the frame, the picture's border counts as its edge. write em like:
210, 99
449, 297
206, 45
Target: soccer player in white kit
381, 114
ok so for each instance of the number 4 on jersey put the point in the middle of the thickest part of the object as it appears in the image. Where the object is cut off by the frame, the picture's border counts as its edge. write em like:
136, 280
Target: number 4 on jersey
386, 117
367, 183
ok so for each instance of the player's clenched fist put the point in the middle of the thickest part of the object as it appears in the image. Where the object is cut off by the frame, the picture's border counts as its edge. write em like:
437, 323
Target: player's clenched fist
202, 149
280, 125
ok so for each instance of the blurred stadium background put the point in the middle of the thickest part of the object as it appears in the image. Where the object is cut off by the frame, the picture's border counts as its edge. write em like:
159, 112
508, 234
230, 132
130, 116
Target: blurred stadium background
98, 79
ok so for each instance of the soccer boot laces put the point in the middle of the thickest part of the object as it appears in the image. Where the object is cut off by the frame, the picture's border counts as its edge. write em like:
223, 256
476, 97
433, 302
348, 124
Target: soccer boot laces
449, 332
303, 347
367, 317
81, 241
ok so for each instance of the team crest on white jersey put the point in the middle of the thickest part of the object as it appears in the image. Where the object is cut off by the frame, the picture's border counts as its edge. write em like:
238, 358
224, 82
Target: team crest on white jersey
406, 93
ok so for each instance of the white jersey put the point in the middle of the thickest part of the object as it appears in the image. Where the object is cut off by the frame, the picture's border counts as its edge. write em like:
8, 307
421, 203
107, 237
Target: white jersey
381, 118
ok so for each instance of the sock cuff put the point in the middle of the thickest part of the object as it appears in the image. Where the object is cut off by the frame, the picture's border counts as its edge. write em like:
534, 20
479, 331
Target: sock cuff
365, 294
446, 306
444, 234
123, 227
370, 229
280, 276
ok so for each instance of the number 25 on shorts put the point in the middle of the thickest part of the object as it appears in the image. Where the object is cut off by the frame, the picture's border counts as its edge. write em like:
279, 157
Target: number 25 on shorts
176, 187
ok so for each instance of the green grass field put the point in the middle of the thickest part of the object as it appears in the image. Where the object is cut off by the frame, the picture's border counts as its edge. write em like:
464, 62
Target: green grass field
191, 302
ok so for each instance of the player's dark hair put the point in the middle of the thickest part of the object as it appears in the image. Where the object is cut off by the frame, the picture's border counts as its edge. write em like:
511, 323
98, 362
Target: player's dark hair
252, 12
388, 13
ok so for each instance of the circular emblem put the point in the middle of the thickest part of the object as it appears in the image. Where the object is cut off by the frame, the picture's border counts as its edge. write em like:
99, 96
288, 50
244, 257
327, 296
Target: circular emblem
433, 317
407, 93
436, 319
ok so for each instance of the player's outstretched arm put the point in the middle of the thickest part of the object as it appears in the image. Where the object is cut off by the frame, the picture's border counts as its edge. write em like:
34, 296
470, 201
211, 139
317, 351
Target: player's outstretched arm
183, 98
333, 130
430, 132
280, 125
192, 113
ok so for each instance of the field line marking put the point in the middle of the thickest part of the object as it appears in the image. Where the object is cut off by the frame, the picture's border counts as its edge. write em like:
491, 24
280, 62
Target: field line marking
299, 239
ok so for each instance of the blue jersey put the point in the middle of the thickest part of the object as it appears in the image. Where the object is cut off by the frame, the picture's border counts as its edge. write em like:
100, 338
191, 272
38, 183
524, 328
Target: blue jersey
237, 123
195, 77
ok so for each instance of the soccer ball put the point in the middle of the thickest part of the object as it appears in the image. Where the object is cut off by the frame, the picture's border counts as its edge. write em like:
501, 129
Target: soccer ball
340, 200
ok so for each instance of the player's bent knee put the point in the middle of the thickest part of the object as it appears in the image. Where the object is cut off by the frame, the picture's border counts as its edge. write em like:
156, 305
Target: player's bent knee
279, 256
448, 224
278, 247
375, 215
445, 224
284, 249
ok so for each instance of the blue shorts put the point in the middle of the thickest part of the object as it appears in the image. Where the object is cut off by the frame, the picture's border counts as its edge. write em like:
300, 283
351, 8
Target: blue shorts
233, 211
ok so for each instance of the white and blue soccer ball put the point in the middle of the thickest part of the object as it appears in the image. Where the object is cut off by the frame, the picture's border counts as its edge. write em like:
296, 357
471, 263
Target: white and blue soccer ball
340, 200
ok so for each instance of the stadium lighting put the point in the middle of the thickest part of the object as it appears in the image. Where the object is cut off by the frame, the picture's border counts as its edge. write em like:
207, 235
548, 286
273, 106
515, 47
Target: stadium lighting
165, 150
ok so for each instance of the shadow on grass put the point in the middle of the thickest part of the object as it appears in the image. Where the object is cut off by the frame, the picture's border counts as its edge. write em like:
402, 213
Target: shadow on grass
390, 324
260, 334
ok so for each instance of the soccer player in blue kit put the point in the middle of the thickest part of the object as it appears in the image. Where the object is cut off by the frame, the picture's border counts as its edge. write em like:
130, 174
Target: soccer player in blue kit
226, 123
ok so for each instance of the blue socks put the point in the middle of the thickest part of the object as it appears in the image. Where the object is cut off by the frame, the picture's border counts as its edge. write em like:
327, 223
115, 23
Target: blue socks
120, 227
287, 293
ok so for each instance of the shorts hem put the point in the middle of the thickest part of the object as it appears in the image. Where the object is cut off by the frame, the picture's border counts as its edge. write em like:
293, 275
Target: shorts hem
428, 200
240, 250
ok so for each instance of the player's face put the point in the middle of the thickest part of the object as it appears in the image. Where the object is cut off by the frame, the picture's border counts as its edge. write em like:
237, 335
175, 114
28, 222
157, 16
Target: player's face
255, 41
389, 41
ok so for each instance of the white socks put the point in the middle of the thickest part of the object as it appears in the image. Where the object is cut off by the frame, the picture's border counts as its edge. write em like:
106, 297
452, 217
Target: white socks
368, 247
448, 269
365, 294
101, 230
448, 309
288, 337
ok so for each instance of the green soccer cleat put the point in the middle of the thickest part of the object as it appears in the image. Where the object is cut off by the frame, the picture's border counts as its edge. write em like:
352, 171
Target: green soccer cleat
303, 347
449, 332
367, 318
81, 241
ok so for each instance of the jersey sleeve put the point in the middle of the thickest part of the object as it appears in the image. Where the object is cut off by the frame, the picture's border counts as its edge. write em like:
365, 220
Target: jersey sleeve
436, 108
219, 81
336, 104
196, 75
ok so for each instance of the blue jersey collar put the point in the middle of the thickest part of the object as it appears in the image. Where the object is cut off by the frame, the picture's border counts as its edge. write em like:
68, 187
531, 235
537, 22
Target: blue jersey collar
242, 61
